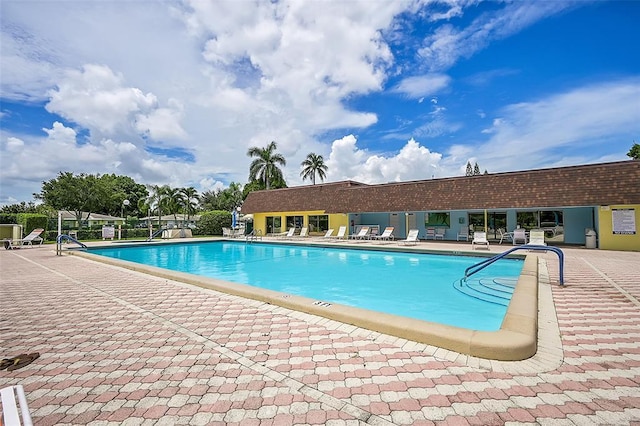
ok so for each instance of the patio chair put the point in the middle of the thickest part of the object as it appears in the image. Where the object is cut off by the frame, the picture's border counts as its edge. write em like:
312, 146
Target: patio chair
290, 233
463, 233
29, 240
480, 239
15, 410
342, 233
304, 232
412, 238
536, 238
362, 234
439, 234
386, 235
504, 235
519, 235
431, 233
327, 235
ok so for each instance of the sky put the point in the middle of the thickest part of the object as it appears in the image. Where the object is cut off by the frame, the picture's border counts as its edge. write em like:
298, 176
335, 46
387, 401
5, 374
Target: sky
176, 92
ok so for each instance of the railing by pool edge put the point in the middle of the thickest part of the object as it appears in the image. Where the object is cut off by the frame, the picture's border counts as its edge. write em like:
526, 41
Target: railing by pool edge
481, 265
62, 237
155, 234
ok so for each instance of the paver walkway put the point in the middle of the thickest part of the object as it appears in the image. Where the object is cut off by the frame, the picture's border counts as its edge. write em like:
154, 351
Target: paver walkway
119, 347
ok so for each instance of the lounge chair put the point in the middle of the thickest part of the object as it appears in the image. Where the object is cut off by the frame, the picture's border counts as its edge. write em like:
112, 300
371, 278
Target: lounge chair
536, 238
304, 232
15, 410
519, 235
29, 240
362, 234
439, 234
463, 233
386, 235
342, 233
290, 233
327, 235
412, 238
480, 239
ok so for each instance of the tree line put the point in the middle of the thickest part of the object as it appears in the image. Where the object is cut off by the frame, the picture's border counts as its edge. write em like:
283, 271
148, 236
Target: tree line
115, 195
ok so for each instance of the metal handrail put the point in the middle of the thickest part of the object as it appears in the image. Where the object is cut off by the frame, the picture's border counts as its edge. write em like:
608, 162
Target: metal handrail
155, 234
481, 265
61, 237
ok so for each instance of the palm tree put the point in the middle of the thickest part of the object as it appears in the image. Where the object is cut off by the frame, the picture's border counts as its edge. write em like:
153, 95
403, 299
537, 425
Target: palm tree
155, 200
313, 165
173, 201
191, 198
265, 166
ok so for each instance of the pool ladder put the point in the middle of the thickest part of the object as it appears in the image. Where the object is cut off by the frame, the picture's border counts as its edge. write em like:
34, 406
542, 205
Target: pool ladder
481, 265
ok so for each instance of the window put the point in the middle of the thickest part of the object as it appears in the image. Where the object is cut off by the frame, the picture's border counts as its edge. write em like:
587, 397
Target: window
273, 224
437, 219
319, 223
294, 222
528, 220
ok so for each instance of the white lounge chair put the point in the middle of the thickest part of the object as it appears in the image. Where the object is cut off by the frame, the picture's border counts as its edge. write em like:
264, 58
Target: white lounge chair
29, 240
290, 233
15, 410
412, 238
440, 233
536, 238
342, 233
480, 239
386, 235
362, 234
519, 235
327, 234
304, 232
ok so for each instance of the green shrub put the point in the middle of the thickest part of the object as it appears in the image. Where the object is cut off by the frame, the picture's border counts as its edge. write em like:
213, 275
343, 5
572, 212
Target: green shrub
31, 221
9, 218
212, 222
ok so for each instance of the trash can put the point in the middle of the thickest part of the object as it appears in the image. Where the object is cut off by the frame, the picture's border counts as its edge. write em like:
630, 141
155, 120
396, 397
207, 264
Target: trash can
590, 237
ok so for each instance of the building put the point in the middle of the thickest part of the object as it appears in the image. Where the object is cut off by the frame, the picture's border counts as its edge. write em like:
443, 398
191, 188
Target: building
569, 203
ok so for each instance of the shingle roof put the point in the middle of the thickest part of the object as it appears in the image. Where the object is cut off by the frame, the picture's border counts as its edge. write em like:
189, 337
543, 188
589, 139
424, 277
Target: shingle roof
585, 185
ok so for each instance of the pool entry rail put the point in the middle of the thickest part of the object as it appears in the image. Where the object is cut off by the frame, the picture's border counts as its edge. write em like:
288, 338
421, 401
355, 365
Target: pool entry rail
63, 237
481, 265
155, 234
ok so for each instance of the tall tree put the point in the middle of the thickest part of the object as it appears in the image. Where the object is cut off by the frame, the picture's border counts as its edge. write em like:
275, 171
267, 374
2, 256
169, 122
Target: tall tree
155, 201
265, 166
172, 201
476, 170
191, 197
469, 171
634, 152
313, 165
80, 194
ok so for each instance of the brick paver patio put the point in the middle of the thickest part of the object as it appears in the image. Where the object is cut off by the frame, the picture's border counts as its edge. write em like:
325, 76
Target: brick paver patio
120, 347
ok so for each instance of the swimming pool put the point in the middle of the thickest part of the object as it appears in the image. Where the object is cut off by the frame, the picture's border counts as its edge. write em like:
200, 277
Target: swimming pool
413, 285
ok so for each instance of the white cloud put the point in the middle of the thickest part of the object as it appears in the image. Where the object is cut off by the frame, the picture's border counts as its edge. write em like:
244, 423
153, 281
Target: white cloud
542, 131
448, 44
97, 99
348, 162
425, 85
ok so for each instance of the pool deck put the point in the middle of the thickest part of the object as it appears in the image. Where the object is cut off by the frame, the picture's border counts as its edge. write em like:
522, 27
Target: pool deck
122, 347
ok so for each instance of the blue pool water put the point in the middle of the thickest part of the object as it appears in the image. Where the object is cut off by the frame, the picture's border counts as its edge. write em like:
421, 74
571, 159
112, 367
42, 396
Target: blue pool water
407, 284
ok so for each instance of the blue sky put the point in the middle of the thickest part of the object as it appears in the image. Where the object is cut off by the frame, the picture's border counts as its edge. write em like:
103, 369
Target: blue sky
175, 92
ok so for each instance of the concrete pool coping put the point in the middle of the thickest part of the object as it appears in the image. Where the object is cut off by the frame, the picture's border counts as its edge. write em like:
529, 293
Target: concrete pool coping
516, 340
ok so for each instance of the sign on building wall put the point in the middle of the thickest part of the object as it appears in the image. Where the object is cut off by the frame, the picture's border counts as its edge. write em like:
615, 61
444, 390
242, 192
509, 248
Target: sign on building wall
624, 221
